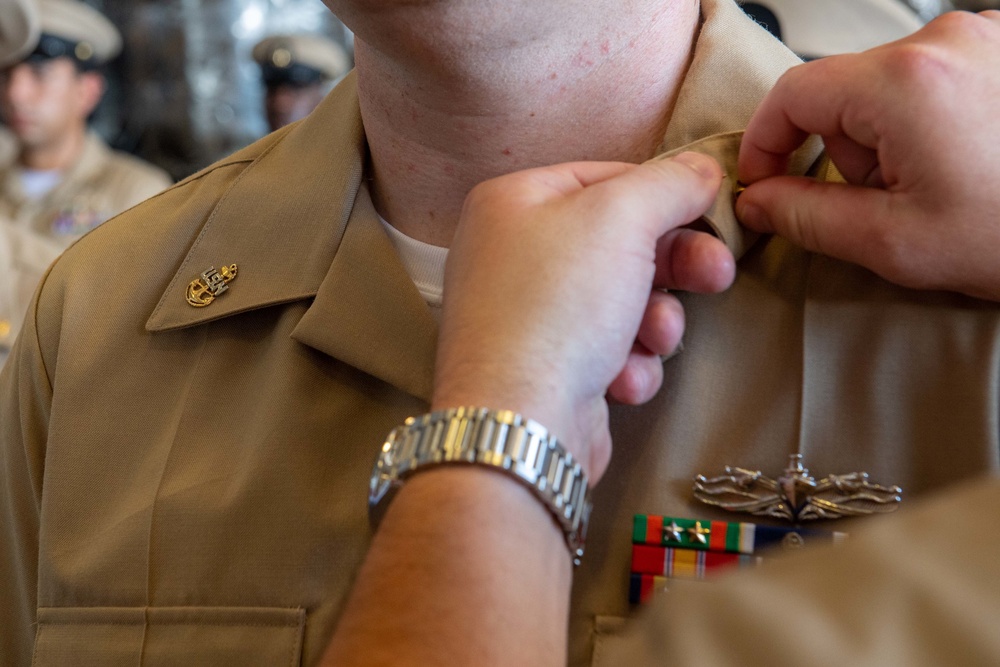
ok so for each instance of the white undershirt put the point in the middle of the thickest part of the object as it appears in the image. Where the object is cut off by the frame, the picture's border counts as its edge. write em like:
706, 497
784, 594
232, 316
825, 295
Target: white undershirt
37, 183
424, 263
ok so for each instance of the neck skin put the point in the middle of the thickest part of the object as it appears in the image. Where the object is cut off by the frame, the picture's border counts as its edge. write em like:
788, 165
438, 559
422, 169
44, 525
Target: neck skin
55, 155
454, 92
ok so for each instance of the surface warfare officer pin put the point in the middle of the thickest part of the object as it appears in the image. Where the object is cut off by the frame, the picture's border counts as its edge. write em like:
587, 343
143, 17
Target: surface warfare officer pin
203, 290
796, 495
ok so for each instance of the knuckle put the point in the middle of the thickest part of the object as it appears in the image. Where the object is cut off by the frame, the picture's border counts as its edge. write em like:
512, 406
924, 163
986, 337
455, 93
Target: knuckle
917, 63
801, 229
801, 226
932, 53
893, 251
619, 201
960, 23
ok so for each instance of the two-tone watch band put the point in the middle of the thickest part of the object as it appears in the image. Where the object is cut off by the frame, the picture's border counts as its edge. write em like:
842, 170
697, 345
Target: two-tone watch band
497, 438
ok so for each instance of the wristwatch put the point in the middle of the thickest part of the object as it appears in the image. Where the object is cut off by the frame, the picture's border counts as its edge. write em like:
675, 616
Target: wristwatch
500, 439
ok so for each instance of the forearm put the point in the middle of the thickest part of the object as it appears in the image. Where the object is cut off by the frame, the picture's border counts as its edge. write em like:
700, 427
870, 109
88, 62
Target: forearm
467, 567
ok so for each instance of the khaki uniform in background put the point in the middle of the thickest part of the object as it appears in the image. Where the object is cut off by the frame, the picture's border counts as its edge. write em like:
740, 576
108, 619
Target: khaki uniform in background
24, 256
185, 485
297, 71
18, 30
100, 185
8, 145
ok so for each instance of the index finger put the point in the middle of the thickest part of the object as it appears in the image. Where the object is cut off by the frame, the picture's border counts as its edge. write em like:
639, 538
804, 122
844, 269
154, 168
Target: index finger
811, 98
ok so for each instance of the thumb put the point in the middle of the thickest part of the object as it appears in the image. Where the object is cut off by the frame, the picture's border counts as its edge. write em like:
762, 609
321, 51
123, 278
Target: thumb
836, 219
664, 193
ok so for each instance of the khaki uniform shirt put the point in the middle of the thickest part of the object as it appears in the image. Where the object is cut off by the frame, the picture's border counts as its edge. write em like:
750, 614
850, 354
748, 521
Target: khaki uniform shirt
185, 485
8, 146
33, 232
921, 587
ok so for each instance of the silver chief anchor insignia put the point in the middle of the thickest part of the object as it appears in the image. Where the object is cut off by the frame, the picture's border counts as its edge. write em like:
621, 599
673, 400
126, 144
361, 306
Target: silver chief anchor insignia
796, 495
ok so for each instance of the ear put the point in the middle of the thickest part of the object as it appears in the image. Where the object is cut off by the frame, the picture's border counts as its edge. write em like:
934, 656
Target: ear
92, 85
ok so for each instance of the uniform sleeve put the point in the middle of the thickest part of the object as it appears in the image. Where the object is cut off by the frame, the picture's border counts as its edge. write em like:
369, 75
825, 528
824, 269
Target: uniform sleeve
918, 588
25, 401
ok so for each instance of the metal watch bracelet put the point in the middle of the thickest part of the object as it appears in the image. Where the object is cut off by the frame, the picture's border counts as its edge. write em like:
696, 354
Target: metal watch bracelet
500, 439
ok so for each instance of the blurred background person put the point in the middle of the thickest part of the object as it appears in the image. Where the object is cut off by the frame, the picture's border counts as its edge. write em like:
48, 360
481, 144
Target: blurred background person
18, 35
819, 28
18, 30
188, 93
297, 71
58, 180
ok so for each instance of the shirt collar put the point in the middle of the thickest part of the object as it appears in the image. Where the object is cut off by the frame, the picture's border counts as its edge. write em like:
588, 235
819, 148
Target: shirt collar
734, 64
282, 220
299, 223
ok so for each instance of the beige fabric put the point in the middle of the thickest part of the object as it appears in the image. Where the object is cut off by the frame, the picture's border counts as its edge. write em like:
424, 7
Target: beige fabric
919, 588
18, 30
108, 636
8, 145
101, 184
157, 458
24, 256
78, 22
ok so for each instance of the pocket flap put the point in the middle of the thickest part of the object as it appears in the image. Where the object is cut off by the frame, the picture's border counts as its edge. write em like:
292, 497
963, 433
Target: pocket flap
161, 636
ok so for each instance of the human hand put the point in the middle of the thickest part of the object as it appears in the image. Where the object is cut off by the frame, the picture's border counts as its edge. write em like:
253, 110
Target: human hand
553, 291
912, 127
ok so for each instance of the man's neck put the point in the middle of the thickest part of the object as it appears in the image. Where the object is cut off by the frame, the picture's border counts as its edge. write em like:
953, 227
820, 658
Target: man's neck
56, 155
455, 93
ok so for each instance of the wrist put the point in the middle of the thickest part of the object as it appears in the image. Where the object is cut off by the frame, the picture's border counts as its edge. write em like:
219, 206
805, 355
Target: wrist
500, 440
529, 393
468, 535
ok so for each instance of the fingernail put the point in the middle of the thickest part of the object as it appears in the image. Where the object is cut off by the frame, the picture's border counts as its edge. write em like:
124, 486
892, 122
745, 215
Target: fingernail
701, 164
677, 350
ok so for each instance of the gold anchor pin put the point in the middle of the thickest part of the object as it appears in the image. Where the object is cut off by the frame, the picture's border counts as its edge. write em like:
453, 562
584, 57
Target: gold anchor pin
202, 291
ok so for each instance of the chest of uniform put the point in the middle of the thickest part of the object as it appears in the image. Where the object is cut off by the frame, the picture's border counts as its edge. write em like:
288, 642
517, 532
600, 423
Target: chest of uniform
69, 212
241, 485
802, 356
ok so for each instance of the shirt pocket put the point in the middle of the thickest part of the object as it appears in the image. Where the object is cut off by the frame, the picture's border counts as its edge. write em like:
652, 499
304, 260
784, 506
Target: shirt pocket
608, 631
160, 636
